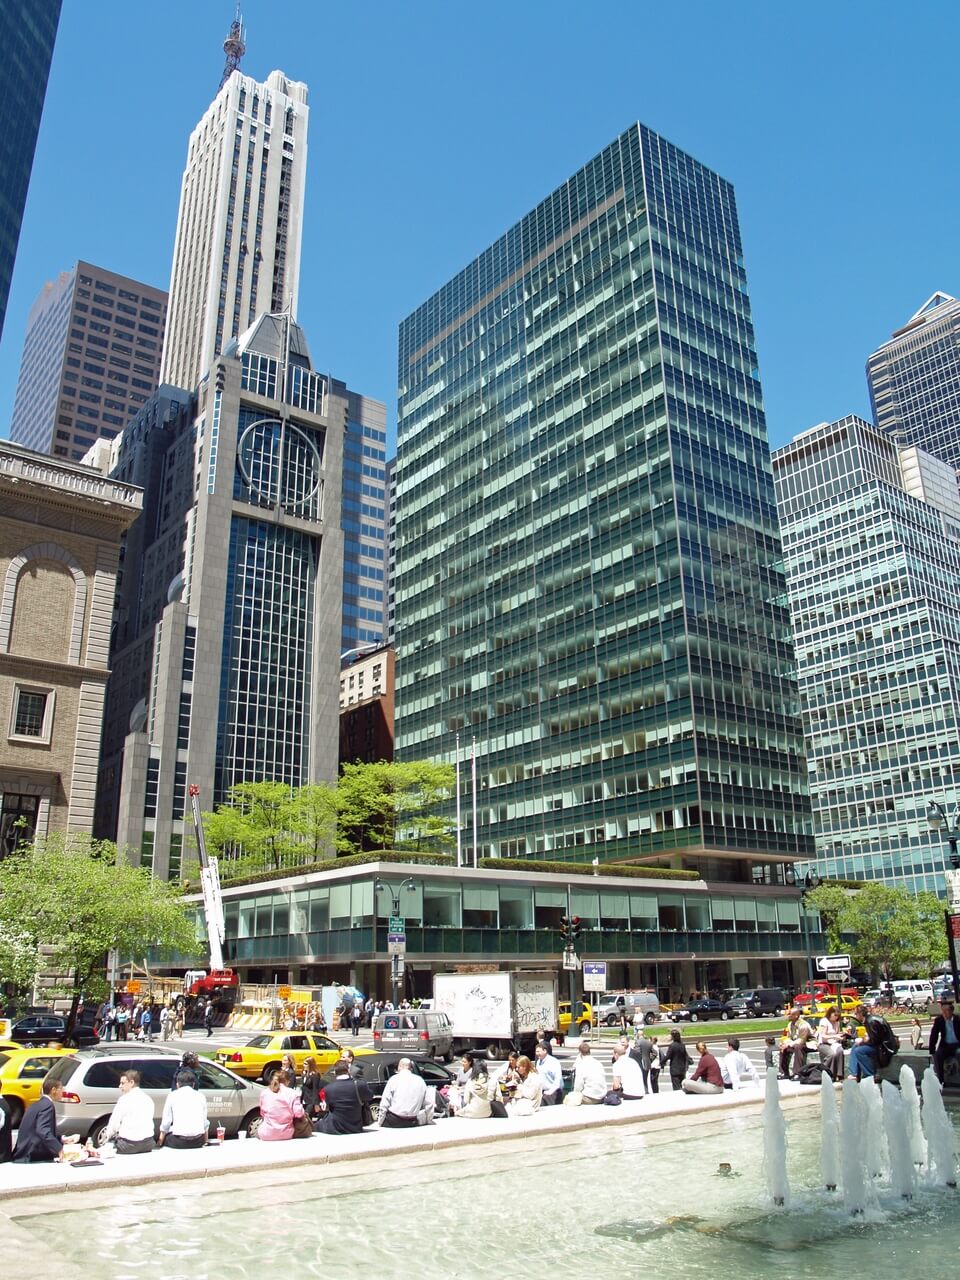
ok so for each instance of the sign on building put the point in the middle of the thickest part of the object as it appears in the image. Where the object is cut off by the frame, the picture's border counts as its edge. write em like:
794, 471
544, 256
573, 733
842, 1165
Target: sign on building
594, 975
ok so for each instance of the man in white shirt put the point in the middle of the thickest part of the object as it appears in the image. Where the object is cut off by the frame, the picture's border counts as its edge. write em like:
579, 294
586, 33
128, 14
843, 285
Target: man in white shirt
589, 1079
404, 1098
130, 1127
551, 1073
184, 1123
627, 1076
736, 1068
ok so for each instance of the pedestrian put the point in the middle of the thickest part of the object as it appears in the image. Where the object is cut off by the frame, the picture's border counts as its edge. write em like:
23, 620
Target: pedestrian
346, 1055
654, 1065
873, 1047
208, 1018
944, 1037
344, 1099
831, 1041
37, 1139
627, 1074
368, 1012
356, 1017
404, 1099
589, 1078
6, 1131
794, 1044
677, 1060
551, 1074
769, 1052
146, 1023
123, 1019
916, 1033
310, 1089
736, 1068
470, 1093
130, 1126
109, 1024
166, 1022
643, 1052
289, 1065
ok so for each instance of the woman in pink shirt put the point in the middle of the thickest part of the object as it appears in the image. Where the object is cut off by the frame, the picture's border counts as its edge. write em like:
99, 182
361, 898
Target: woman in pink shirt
279, 1107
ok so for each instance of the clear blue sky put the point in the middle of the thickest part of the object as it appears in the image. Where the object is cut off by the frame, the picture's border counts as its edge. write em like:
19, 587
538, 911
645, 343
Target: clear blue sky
434, 126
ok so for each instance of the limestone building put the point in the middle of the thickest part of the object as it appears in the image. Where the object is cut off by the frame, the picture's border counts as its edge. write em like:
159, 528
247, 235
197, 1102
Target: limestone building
60, 531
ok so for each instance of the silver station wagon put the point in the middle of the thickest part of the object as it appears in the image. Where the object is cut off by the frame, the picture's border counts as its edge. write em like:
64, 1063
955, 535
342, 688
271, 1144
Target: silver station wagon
91, 1087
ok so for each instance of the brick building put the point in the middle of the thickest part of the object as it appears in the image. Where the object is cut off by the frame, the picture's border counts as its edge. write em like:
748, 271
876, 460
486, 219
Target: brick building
366, 707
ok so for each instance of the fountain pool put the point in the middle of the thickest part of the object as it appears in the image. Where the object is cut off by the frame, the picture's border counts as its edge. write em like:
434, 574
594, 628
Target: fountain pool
628, 1202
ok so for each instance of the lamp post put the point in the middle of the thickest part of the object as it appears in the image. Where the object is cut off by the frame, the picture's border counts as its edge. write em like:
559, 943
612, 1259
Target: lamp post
805, 882
395, 960
937, 818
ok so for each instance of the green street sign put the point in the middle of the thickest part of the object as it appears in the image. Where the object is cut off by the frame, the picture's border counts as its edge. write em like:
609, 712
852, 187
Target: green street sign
397, 924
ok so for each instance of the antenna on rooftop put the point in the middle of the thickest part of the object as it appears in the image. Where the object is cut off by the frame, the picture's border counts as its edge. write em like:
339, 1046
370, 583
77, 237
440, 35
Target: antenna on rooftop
234, 47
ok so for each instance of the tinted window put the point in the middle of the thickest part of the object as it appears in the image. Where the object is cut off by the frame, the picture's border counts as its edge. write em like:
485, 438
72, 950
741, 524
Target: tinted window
435, 1074
35, 1068
260, 1042
211, 1077
297, 1042
106, 1075
157, 1073
323, 1042
4, 1057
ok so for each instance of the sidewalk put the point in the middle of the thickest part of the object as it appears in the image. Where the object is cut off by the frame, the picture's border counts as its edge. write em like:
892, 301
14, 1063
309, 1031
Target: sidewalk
251, 1156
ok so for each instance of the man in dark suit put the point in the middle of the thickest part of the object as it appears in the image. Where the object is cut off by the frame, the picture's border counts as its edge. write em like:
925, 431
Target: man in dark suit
6, 1132
944, 1037
343, 1098
37, 1139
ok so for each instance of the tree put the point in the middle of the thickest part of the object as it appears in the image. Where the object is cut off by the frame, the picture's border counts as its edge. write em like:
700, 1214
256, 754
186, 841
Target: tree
74, 898
393, 805
893, 929
254, 825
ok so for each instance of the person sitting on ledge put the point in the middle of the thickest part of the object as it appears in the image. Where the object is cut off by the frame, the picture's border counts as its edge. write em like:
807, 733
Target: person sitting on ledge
403, 1099
707, 1077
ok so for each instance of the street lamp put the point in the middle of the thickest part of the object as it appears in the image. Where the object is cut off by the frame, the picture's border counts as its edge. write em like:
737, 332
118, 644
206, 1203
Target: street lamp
938, 821
395, 906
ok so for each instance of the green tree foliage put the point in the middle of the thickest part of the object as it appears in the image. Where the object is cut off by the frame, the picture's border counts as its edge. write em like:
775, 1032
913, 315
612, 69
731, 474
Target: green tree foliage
895, 931
73, 897
385, 805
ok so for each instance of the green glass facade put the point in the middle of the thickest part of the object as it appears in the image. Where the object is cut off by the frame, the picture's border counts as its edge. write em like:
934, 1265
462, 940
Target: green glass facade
588, 580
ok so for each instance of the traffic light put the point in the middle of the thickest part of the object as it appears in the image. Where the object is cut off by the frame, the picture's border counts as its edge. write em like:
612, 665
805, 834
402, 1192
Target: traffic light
566, 925
576, 927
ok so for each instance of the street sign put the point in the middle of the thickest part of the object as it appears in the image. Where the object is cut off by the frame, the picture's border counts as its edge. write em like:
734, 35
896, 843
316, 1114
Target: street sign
570, 960
594, 975
284, 993
396, 944
833, 964
397, 924
132, 988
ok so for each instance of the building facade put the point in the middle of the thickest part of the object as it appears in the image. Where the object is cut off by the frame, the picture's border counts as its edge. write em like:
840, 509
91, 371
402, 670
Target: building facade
27, 35
364, 524
91, 359
871, 538
588, 580
228, 622
914, 380
60, 532
366, 707
237, 248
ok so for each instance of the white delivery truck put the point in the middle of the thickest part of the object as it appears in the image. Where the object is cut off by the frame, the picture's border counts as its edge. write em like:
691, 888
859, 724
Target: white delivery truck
508, 1010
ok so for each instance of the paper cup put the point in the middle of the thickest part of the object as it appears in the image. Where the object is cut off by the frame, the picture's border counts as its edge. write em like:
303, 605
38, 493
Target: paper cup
242, 1135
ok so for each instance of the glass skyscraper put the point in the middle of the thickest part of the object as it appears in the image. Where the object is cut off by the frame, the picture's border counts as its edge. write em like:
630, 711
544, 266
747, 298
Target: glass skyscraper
589, 594
872, 547
27, 35
914, 380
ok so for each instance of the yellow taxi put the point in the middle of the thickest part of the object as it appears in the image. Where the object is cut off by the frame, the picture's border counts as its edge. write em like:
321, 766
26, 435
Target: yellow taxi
820, 1005
7, 1046
261, 1055
21, 1075
584, 1017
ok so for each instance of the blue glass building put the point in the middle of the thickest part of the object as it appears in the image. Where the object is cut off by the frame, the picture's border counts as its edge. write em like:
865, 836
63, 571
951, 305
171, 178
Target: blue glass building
589, 590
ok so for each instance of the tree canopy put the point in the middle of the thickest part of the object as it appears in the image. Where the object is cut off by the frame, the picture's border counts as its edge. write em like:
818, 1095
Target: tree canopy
384, 805
74, 898
893, 930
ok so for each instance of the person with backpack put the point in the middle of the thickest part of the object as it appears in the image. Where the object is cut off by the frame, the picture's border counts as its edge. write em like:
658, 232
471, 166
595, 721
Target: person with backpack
875, 1048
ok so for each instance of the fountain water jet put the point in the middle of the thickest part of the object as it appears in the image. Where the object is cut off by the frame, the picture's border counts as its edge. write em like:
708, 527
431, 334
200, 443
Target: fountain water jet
775, 1142
874, 1138
829, 1135
853, 1121
903, 1175
911, 1103
942, 1160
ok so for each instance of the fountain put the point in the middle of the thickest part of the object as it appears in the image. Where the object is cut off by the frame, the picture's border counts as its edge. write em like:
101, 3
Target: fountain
775, 1142
829, 1135
874, 1137
941, 1154
853, 1121
911, 1101
903, 1174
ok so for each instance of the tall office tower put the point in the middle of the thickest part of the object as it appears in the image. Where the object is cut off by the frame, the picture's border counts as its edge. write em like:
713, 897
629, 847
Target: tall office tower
364, 524
237, 249
91, 359
871, 539
588, 587
390, 630
27, 34
228, 620
915, 380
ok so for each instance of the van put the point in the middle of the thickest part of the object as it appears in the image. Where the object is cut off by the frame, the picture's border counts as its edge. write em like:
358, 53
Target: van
414, 1031
916, 993
758, 1002
611, 1006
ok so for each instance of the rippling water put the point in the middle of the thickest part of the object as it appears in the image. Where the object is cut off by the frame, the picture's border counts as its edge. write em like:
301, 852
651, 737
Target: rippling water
623, 1203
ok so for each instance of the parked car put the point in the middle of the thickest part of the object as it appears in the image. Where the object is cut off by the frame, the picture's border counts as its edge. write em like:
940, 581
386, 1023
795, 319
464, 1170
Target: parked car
701, 1011
22, 1072
91, 1087
611, 1006
915, 992
757, 1002
377, 1068
260, 1056
415, 1031
871, 998
43, 1028
584, 1017
846, 1004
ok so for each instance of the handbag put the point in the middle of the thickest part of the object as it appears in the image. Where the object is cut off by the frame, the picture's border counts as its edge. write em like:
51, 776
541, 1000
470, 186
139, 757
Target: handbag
302, 1128
366, 1111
